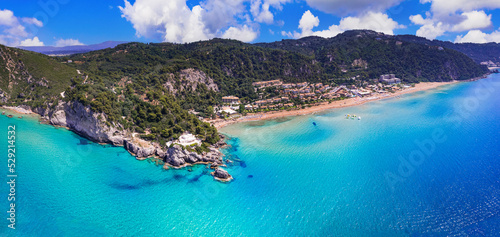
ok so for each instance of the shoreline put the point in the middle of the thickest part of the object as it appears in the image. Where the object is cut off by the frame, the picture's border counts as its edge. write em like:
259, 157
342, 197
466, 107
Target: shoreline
18, 109
323, 106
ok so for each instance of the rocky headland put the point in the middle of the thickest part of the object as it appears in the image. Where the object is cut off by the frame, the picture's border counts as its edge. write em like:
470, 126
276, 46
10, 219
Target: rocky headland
94, 126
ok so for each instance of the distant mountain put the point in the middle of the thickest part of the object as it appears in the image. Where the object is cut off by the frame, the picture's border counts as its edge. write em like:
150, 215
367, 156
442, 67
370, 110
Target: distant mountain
369, 54
478, 52
68, 50
310, 45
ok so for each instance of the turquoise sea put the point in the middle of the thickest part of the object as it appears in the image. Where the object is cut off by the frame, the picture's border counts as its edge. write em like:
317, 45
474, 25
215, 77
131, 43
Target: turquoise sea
424, 164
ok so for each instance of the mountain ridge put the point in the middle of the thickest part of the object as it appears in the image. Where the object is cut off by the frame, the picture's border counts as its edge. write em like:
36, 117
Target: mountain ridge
73, 49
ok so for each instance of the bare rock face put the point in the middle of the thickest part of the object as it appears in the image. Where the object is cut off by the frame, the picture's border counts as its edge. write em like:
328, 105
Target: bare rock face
196, 77
222, 175
191, 78
177, 157
83, 120
138, 150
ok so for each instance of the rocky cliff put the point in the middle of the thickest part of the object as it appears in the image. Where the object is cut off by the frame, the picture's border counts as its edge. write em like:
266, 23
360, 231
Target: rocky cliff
85, 122
94, 126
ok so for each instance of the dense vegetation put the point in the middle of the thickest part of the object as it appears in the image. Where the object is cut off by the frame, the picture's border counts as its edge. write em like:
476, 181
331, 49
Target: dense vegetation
477, 52
33, 78
161, 90
384, 54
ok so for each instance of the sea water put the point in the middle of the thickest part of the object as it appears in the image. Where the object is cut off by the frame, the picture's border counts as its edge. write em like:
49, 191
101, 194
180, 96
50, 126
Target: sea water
422, 164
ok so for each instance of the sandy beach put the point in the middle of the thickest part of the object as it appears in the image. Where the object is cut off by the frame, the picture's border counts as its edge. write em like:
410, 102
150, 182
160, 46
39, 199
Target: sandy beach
18, 110
220, 123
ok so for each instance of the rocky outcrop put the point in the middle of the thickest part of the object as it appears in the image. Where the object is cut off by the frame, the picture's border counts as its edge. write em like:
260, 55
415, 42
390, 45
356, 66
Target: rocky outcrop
190, 80
138, 150
221, 175
177, 157
195, 77
84, 121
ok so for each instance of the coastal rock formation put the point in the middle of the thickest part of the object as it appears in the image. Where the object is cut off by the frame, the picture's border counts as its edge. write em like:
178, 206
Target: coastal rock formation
140, 150
94, 126
177, 157
84, 121
221, 175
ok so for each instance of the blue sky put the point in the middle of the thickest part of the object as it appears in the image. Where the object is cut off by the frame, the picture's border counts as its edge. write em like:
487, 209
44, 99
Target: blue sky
71, 22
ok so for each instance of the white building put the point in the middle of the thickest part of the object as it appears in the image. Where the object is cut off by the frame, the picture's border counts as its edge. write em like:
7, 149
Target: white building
228, 110
188, 139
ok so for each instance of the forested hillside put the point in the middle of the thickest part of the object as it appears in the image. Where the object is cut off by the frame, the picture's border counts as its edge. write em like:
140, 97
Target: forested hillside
160, 90
477, 52
371, 54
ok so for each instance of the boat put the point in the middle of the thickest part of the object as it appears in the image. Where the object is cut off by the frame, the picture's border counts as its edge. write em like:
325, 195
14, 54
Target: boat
359, 118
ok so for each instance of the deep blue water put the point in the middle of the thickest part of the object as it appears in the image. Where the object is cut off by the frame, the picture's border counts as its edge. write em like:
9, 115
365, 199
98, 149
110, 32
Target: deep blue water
427, 164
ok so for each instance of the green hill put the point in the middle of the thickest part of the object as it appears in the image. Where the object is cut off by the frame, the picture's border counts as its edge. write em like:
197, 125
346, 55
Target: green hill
161, 90
27, 77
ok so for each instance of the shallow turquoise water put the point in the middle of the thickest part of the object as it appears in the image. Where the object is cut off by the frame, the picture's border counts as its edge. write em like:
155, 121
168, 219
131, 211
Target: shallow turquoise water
340, 177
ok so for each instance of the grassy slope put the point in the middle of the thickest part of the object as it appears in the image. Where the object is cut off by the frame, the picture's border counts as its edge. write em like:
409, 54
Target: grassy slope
57, 74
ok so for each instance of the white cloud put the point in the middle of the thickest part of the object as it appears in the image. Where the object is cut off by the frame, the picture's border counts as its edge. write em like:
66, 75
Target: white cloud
261, 12
245, 34
477, 36
432, 27
307, 23
13, 29
442, 8
454, 16
369, 21
174, 21
376, 21
7, 18
431, 31
33, 21
473, 20
218, 14
343, 7
67, 42
32, 42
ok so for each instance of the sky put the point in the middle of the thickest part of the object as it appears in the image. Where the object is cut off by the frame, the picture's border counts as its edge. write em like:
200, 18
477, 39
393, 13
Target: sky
71, 22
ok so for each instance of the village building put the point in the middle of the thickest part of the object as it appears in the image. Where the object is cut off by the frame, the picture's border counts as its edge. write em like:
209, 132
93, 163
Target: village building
390, 79
303, 84
230, 100
262, 84
186, 139
228, 110
260, 102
